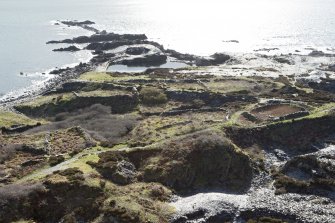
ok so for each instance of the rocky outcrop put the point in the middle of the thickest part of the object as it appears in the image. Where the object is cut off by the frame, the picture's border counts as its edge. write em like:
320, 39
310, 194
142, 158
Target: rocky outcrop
78, 23
67, 49
308, 174
101, 37
215, 59
211, 99
331, 67
198, 162
155, 59
326, 84
316, 53
116, 167
294, 137
137, 50
284, 60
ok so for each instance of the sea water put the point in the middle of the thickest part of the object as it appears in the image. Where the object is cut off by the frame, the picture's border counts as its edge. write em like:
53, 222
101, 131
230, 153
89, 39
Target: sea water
192, 26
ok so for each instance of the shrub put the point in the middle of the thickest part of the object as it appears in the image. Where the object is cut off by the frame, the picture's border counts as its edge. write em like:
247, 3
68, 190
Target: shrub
7, 152
153, 96
54, 160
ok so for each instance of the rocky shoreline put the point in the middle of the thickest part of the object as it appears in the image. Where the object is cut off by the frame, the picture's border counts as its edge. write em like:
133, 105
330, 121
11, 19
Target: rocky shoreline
229, 138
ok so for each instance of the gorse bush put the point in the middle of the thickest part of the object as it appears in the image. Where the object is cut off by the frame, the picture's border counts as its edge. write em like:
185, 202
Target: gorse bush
153, 96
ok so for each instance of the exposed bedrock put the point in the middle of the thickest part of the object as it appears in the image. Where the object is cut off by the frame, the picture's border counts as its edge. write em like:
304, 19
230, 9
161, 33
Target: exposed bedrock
296, 137
308, 174
326, 84
103, 46
198, 162
212, 99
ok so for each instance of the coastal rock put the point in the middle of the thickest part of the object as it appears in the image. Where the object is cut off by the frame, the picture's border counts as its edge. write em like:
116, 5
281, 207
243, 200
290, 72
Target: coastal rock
317, 53
155, 59
326, 84
101, 38
331, 67
77, 23
68, 49
181, 56
84, 24
220, 58
137, 50
284, 60
215, 59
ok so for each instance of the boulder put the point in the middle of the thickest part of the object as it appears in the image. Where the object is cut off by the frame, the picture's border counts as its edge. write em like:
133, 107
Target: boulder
124, 173
116, 167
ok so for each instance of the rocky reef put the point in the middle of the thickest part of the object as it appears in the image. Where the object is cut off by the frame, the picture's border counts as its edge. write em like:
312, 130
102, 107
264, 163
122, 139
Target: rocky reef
229, 138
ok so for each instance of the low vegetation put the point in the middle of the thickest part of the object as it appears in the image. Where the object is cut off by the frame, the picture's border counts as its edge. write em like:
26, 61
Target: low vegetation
116, 147
152, 96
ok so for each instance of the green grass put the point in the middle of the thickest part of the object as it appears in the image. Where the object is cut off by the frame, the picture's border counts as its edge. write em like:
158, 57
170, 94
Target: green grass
8, 119
100, 93
81, 163
109, 77
55, 98
96, 76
